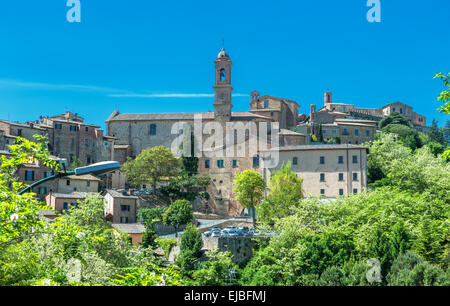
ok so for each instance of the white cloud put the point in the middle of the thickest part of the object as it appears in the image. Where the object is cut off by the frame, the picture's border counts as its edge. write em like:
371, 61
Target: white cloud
110, 92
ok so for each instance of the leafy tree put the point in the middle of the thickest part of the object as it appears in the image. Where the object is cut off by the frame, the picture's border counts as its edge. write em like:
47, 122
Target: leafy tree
393, 118
76, 163
187, 187
444, 97
178, 213
166, 244
285, 193
151, 166
191, 241
333, 140
249, 189
150, 215
149, 237
435, 134
406, 134
409, 269
216, 270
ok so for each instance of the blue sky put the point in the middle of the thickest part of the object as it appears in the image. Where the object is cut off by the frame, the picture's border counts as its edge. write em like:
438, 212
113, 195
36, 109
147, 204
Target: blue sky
157, 56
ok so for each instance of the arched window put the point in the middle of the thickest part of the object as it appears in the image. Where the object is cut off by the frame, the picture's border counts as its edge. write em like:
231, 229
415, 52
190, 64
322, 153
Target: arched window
222, 75
152, 129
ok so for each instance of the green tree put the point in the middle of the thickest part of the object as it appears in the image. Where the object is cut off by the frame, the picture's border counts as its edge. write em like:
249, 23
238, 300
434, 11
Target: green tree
249, 189
216, 271
152, 165
444, 98
393, 118
320, 133
285, 193
178, 213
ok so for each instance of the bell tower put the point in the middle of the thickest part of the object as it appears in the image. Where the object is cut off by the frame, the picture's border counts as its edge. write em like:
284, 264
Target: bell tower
222, 87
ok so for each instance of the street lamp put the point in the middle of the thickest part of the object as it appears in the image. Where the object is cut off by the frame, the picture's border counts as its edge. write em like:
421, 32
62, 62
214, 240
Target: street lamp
96, 169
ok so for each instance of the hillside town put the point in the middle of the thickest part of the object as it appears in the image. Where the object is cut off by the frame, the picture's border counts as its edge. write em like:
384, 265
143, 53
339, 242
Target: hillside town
329, 169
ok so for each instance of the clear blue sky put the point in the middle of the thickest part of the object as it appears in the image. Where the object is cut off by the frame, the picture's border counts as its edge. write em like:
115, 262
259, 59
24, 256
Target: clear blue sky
125, 54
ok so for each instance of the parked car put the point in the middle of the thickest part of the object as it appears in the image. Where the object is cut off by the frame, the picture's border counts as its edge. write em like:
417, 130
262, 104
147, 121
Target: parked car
216, 234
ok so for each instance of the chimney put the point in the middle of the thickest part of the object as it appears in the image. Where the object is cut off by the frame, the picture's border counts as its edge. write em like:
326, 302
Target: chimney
327, 97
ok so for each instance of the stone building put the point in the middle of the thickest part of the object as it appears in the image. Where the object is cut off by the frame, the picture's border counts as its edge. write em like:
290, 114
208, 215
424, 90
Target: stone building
135, 132
120, 207
33, 171
68, 136
326, 170
80, 183
62, 202
332, 112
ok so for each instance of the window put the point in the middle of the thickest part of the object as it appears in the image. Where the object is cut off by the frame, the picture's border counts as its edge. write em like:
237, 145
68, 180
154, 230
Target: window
401, 110
58, 126
222, 75
341, 177
324, 131
57, 140
266, 103
123, 219
355, 190
86, 142
340, 159
68, 182
29, 175
256, 161
367, 133
322, 191
322, 177
19, 132
88, 184
322, 160
47, 174
220, 182
125, 208
234, 163
345, 132
86, 129
333, 132
341, 191
88, 160
207, 164
355, 176
356, 132
220, 163
65, 206
355, 159
73, 128
295, 161
152, 129
42, 190
393, 109
271, 114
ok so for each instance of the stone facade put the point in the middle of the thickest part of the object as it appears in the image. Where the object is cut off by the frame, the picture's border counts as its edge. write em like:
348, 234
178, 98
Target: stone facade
326, 170
120, 207
82, 183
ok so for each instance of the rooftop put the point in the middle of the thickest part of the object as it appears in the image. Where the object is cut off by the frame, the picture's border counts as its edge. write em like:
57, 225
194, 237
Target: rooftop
130, 228
73, 195
318, 147
119, 194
